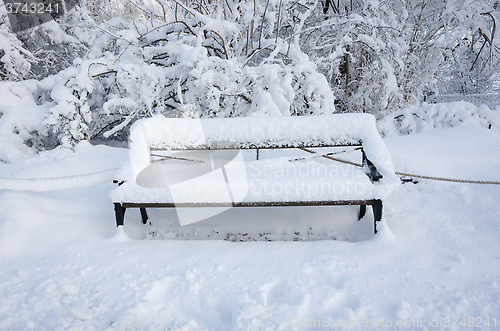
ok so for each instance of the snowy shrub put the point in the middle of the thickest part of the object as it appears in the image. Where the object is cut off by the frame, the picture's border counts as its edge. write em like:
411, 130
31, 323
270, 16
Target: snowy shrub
43, 50
222, 61
68, 116
207, 58
36, 115
103, 10
14, 65
21, 119
428, 117
219, 59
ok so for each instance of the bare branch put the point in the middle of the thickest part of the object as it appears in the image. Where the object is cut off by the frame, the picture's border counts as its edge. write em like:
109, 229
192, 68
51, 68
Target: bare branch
104, 73
163, 9
223, 44
278, 25
262, 23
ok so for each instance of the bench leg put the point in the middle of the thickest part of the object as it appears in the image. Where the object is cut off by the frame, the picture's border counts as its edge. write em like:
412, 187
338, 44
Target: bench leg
377, 213
144, 215
119, 214
362, 212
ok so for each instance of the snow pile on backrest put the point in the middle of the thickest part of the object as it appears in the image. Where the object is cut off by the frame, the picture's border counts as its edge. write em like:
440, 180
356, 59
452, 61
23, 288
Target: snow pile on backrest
262, 132
429, 117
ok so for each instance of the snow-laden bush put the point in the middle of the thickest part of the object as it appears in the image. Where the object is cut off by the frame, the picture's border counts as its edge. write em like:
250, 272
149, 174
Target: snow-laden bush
131, 10
20, 118
44, 50
38, 115
223, 60
219, 59
14, 65
428, 117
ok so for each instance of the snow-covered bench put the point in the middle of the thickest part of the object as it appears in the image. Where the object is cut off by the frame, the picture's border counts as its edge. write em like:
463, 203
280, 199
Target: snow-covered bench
187, 163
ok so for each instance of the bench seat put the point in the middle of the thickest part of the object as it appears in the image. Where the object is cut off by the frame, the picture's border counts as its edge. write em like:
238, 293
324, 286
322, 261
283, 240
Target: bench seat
270, 180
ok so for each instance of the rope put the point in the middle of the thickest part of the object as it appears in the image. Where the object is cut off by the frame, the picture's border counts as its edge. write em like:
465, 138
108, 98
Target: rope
450, 179
416, 176
423, 176
99, 177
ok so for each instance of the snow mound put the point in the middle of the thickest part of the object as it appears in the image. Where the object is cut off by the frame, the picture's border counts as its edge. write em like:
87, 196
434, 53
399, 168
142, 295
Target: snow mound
430, 117
63, 168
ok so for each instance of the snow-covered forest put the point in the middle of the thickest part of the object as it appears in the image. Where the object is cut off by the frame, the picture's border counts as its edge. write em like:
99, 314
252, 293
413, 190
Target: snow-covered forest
106, 63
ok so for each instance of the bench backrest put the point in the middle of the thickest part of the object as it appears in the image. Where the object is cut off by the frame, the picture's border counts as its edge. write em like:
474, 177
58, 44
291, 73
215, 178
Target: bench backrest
259, 132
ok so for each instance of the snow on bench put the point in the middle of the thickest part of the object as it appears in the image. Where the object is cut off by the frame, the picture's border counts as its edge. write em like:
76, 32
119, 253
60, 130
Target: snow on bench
181, 163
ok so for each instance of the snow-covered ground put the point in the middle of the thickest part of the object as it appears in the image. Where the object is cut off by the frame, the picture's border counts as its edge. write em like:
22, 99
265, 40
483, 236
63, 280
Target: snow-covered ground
435, 263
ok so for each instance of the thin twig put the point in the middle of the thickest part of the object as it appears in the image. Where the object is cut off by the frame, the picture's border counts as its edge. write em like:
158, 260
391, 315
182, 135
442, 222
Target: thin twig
258, 50
290, 39
246, 46
110, 33
262, 23
230, 10
164, 25
223, 44
479, 53
164, 13
278, 26
104, 73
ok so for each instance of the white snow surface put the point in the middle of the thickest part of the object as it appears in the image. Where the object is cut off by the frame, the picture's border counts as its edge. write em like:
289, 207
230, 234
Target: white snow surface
61, 169
257, 131
435, 260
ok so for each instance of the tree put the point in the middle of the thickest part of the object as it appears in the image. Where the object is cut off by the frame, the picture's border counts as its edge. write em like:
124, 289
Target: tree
471, 64
379, 56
